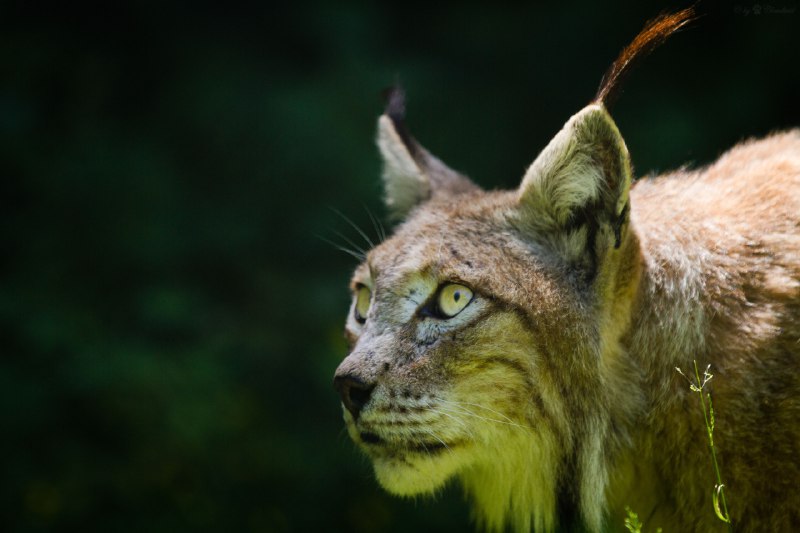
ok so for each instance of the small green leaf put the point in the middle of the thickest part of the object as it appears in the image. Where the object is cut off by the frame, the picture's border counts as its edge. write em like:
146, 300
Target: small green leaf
632, 522
717, 510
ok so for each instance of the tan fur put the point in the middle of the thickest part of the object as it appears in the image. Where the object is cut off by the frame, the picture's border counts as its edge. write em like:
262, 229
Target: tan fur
553, 396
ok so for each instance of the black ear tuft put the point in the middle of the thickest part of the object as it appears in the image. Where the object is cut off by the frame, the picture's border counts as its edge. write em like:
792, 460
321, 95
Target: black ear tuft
395, 109
411, 175
395, 98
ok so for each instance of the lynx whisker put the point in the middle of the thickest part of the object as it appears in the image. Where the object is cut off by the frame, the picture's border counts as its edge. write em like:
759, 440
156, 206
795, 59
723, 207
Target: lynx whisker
350, 242
484, 408
463, 410
355, 226
359, 256
454, 418
376, 225
435, 436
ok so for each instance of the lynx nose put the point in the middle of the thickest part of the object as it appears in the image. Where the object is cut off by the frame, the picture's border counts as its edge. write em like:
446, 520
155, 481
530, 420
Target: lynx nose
355, 392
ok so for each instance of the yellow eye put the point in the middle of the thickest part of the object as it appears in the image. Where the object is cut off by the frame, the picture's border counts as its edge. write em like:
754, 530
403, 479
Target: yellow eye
363, 296
453, 299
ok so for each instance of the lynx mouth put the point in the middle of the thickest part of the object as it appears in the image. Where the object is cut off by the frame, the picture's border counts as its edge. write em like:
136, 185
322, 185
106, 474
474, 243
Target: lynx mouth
375, 442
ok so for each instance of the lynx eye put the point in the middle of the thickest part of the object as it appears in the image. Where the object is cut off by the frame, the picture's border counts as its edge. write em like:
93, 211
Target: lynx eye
363, 297
453, 298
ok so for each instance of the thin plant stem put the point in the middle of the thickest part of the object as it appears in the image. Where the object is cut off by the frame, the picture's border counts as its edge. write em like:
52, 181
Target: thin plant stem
708, 416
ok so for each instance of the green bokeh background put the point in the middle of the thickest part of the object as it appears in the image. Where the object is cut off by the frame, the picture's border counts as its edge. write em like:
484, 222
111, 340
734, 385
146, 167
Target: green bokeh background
170, 318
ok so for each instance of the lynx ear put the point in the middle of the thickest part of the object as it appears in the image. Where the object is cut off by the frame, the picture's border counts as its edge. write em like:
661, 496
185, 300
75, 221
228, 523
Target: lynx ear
411, 175
576, 191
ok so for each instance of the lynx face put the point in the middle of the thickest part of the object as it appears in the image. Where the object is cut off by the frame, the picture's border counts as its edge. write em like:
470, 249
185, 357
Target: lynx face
444, 373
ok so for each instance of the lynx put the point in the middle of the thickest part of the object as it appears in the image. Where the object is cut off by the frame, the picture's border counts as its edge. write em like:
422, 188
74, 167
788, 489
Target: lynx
525, 342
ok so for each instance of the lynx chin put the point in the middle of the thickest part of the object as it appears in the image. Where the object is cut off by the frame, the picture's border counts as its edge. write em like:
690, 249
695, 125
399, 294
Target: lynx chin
524, 342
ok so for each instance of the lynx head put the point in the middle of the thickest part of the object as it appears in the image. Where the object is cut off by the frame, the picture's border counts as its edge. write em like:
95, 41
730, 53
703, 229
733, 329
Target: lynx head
484, 329
466, 321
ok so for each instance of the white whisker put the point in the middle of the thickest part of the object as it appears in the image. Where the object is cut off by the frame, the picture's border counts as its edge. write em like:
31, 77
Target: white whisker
456, 419
468, 412
482, 407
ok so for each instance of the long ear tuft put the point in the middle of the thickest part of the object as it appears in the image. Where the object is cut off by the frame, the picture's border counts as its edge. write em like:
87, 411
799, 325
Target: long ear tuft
651, 37
395, 110
411, 175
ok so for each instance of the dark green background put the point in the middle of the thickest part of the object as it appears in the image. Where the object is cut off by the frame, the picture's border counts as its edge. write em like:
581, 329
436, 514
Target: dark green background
170, 320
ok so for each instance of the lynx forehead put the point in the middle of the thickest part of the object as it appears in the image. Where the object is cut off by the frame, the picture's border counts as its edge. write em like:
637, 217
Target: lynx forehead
524, 342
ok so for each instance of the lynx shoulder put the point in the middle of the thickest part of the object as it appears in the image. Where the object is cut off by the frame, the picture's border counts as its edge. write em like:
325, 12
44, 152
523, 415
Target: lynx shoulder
524, 342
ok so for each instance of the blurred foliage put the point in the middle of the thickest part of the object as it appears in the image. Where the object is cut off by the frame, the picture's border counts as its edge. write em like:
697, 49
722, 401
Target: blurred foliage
171, 319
